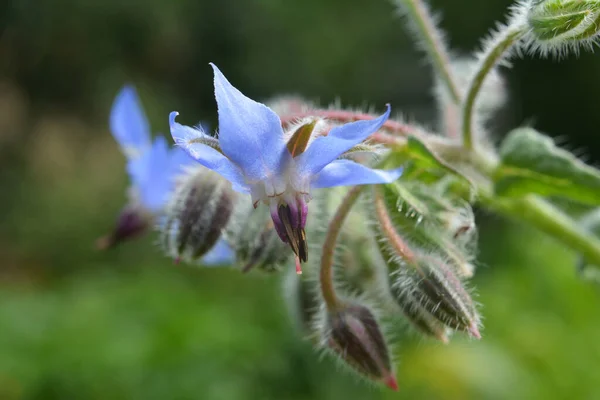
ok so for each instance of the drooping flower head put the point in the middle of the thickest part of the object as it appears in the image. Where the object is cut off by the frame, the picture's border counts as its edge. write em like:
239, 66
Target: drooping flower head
252, 153
152, 167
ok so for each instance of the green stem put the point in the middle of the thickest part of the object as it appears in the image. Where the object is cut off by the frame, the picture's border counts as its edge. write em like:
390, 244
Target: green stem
326, 270
551, 220
419, 15
500, 45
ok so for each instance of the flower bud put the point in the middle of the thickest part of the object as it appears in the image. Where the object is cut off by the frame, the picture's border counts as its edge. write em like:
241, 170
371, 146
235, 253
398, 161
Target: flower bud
196, 214
133, 221
352, 333
253, 238
430, 289
556, 24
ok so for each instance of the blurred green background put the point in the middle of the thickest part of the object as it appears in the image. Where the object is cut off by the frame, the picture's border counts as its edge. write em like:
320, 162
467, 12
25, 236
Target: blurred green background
127, 324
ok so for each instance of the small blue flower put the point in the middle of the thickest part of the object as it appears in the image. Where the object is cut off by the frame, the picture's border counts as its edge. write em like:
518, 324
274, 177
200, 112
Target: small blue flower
253, 155
152, 167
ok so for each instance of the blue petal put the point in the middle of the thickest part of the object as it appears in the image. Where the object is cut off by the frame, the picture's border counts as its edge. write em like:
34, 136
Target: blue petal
206, 155
157, 183
220, 254
179, 159
325, 149
350, 173
250, 133
129, 124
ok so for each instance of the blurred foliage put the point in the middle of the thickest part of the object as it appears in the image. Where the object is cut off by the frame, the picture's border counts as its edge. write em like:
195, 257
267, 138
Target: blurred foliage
76, 324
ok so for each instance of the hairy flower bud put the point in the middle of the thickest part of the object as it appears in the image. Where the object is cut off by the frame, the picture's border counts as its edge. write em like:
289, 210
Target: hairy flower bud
352, 333
253, 238
196, 214
429, 289
556, 25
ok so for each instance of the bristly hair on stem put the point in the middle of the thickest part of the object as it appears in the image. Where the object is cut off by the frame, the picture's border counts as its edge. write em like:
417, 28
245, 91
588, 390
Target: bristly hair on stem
326, 269
494, 51
424, 26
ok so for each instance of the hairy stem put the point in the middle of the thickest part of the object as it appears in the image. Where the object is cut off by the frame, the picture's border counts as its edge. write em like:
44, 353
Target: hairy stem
344, 116
419, 16
387, 229
500, 44
326, 270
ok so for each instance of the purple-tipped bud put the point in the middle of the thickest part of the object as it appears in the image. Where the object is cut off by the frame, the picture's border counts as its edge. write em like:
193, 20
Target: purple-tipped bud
256, 244
196, 214
133, 221
354, 335
429, 291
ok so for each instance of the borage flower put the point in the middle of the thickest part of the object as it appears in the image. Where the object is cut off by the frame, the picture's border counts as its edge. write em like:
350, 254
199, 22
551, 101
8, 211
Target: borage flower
252, 153
153, 168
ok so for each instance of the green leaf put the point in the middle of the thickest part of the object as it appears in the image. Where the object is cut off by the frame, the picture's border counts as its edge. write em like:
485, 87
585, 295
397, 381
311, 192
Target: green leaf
426, 159
532, 163
423, 165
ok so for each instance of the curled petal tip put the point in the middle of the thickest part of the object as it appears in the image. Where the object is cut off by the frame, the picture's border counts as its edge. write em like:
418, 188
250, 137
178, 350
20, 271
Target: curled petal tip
172, 117
388, 110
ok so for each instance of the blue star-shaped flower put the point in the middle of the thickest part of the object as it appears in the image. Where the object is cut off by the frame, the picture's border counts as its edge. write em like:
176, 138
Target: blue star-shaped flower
253, 155
152, 167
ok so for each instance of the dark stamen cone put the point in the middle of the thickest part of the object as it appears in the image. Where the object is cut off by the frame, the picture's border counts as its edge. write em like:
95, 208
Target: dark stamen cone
132, 222
295, 235
196, 215
354, 335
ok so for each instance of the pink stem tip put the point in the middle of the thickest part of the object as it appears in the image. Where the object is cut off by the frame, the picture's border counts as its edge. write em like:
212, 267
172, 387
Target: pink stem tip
298, 267
474, 331
390, 381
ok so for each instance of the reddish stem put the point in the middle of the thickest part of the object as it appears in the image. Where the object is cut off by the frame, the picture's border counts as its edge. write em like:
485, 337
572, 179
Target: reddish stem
351, 116
326, 268
387, 228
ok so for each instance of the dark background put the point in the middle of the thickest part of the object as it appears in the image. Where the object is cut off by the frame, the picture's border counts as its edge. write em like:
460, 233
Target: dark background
78, 324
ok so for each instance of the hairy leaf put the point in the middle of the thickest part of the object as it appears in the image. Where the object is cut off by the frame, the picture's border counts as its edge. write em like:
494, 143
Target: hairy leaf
532, 163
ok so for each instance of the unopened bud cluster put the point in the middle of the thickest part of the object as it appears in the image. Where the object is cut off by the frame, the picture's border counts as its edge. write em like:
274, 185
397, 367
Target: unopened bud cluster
427, 243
